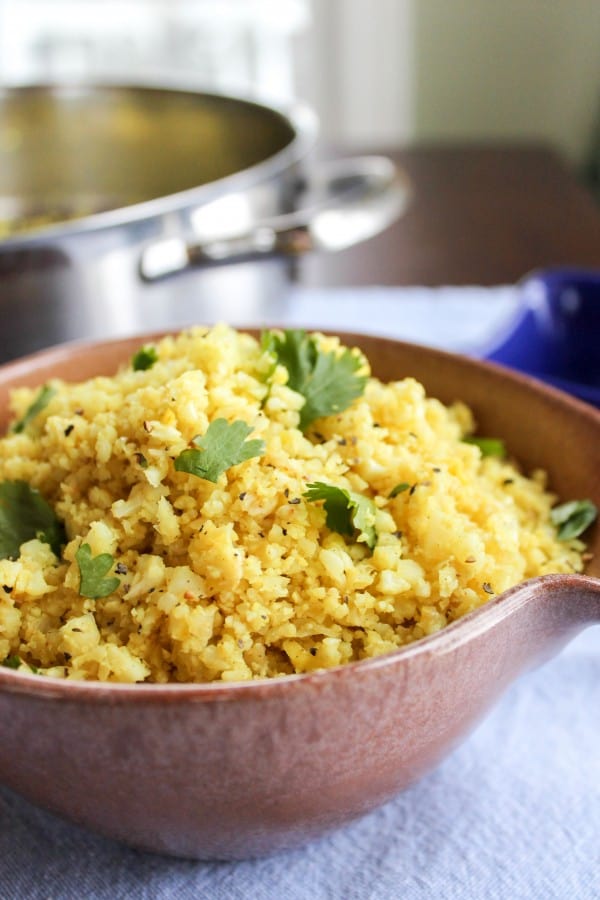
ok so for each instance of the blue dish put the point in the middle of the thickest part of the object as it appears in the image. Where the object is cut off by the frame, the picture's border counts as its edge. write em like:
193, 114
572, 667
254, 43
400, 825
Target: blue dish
556, 334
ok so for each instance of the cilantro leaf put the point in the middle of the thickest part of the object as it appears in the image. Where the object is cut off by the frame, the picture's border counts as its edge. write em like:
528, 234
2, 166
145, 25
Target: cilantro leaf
45, 395
24, 515
224, 445
327, 381
573, 518
144, 358
398, 489
268, 345
92, 570
346, 511
15, 662
488, 446
11, 662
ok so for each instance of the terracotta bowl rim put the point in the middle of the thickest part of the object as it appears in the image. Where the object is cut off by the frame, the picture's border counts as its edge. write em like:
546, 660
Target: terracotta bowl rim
447, 639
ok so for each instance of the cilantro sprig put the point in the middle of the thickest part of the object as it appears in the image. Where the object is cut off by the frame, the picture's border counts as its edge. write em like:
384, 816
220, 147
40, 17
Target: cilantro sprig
92, 571
11, 662
488, 446
398, 489
346, 511
15, 662
24, 515
573, 518
328, 382
144, 359
43, 398
224, 445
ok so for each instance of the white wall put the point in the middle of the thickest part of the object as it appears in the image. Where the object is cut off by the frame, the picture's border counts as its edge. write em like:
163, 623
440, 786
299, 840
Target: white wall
383, 71
357, 68
508, 69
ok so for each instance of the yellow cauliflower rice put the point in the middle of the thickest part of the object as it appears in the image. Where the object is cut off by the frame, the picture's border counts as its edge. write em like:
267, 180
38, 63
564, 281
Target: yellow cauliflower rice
165, 575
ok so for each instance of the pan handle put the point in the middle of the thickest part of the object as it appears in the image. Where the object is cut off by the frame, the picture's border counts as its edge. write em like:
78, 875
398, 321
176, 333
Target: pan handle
358, 198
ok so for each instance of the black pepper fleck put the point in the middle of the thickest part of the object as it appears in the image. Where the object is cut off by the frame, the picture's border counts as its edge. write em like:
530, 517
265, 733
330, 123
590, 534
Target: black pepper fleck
487, 587
121, 568
69, 429
313, 651
295, 500
242, 495
7, 588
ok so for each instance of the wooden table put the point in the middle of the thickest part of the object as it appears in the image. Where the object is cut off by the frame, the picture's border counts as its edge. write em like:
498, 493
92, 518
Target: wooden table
480, 215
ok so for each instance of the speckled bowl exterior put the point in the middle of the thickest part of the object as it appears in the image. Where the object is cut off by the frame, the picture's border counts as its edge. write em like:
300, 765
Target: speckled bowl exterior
231, 771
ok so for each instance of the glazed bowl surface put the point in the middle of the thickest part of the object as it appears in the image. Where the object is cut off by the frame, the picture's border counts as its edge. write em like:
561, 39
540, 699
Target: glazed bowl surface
238, 770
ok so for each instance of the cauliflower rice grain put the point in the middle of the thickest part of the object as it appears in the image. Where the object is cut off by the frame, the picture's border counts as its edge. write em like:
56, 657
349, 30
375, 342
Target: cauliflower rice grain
242, 578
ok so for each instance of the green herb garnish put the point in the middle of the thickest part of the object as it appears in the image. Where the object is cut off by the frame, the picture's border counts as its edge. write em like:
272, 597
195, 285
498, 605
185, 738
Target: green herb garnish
224, 445
12, 662
144, 358
92, 570
488, 446
346, 512
24, 515
398, 489
573, 518
327, 381
42, 400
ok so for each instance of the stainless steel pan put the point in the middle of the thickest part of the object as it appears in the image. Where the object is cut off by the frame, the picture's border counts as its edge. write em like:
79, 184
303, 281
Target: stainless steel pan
106, 192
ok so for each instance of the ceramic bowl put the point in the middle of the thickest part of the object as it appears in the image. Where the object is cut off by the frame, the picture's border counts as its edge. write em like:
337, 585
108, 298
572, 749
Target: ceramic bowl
237, 770
555, 334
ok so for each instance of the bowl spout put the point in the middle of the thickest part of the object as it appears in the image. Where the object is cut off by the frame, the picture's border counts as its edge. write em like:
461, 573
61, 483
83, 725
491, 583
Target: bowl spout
545, 613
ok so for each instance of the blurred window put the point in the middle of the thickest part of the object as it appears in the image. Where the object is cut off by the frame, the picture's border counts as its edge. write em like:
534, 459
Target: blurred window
234, 46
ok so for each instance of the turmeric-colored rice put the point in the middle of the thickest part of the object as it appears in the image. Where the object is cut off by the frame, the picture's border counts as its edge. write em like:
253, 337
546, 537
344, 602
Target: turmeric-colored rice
242, 578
